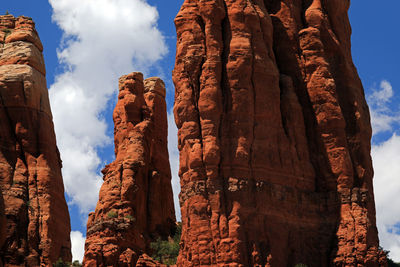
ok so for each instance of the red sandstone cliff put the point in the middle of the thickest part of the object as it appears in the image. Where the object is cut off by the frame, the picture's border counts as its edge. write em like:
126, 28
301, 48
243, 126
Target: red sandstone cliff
274, 136
38, 225
135, 201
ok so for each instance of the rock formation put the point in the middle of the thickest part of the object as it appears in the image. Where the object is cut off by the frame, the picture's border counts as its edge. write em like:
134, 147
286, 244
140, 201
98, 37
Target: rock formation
135, 201
274, 136
3, 223
38, 225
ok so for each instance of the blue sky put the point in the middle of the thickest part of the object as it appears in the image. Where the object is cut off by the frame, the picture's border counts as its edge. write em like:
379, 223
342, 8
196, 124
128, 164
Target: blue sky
79, 24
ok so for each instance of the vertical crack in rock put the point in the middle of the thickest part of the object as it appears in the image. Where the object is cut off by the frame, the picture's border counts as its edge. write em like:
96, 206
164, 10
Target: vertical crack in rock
135, 203
281, 130
37, 219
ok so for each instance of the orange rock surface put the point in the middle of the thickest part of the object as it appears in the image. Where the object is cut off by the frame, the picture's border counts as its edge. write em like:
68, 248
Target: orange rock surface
135, 201
38, 224
274, 136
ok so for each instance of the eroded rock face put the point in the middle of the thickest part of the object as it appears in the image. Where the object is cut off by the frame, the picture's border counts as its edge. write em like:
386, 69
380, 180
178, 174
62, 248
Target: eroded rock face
135, 201
274, 136
38, 224
3, 223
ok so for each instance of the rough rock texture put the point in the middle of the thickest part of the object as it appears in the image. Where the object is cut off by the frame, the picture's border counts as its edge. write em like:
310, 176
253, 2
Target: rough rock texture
3, 223
274, 136
135, 201
38, 224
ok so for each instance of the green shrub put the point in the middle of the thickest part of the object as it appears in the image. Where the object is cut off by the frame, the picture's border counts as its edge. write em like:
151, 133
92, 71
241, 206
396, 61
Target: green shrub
166, 251
60, 263
391, 263
112, 214
7, 33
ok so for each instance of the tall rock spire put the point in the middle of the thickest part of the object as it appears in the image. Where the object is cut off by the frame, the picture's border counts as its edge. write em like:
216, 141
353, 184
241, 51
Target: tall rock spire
274, 136
135, 202
38, 224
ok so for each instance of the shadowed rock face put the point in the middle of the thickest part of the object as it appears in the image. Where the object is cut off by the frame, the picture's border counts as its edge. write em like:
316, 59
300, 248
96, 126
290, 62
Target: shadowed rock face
38, 224
274, 136
3, 223
135, 202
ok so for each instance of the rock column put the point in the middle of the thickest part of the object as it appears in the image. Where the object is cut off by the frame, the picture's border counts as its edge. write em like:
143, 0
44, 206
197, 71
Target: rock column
274, 136
38, 223
135, 202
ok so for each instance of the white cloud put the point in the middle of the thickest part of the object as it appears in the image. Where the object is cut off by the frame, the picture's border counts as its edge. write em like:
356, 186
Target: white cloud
78, 246
382, 117
174, 161
383, 95
386, 159
382, 122
102, 40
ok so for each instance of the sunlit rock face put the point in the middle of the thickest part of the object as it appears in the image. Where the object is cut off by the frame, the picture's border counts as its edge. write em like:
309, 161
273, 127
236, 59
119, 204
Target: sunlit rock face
37, 222
274, 136
135, 202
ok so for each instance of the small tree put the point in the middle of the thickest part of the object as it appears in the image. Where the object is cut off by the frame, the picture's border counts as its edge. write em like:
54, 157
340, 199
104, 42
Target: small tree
166, 251
60, 263
391, 263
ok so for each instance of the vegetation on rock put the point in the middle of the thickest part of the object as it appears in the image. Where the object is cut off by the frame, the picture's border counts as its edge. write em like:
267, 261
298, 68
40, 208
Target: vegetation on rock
391, 263
60, 263
166, 251
112, 214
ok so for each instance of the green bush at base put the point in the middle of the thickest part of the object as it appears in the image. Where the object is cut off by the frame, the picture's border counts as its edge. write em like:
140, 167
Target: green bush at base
166, 251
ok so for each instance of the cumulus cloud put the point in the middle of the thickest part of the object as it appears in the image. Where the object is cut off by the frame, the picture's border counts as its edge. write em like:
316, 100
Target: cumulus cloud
382, 117
386, 158
77, 246
102, 40
174, 161
383, 95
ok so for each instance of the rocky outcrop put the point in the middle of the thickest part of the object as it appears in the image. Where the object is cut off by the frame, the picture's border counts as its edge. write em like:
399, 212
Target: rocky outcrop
135, 201
274, 136
38, 225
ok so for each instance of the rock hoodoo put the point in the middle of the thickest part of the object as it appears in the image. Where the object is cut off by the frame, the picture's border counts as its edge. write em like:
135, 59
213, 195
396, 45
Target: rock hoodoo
135, 202
274, 136
37, 219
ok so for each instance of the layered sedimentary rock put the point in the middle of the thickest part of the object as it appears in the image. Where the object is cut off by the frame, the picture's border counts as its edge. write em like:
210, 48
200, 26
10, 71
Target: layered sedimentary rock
135, 202
274, 136
38, 225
